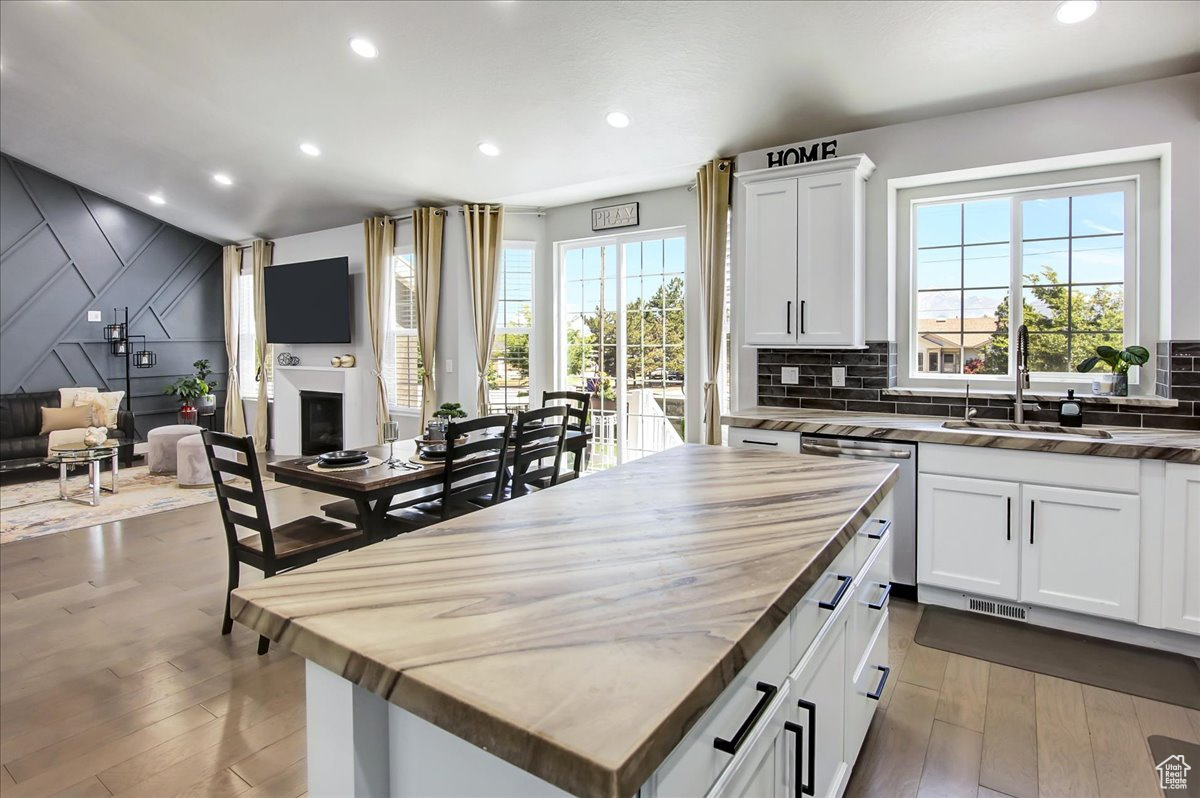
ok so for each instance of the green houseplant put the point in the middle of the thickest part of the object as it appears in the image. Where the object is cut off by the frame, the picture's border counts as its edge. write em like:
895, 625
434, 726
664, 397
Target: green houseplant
436, 429
208, 402
189, 390
1118, 361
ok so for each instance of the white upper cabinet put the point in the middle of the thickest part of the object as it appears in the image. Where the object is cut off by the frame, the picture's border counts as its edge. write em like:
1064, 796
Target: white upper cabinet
801, 253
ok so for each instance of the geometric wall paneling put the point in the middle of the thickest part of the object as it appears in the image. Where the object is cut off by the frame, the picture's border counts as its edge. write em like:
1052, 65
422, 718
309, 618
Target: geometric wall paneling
20, 214
68, 250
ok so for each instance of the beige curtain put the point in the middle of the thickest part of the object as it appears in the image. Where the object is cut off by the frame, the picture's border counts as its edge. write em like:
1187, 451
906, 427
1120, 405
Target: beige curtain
712, 198
485, 237
261, 252
379, 235
428, 224
235, 416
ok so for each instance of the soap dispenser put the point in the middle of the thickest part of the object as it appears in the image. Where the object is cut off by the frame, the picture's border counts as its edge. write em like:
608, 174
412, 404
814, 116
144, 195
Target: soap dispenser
1070, 411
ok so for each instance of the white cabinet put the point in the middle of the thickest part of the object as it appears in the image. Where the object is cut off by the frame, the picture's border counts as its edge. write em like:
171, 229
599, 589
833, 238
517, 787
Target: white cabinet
966, 538
1181, 549
800, 253
818, 712
767, 440
1080, 550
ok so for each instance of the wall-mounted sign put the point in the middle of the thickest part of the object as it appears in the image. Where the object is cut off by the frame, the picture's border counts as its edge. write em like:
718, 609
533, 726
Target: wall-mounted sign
607, 218
802, 153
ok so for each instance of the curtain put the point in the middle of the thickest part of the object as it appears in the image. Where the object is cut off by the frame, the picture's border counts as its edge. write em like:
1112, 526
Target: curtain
712, 199
261, 252
235, 415
379, 235
428, 224
485, 237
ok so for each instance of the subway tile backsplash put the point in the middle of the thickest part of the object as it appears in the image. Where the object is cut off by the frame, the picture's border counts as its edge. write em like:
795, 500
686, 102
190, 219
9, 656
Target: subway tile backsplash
870, 372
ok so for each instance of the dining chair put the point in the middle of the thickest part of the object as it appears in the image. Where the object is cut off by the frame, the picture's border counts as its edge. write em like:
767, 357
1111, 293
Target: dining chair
579, 405
537, 450
271, 550
475, 468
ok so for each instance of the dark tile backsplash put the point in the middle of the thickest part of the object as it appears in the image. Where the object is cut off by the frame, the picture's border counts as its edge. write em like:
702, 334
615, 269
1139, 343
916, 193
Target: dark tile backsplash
870, 372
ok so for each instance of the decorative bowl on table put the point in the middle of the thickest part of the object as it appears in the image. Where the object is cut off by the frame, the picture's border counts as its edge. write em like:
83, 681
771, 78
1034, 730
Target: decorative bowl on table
341, 459
434, 449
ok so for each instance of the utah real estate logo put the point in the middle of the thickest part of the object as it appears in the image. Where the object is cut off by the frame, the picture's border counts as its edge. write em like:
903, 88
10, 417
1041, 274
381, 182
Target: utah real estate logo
1172, 773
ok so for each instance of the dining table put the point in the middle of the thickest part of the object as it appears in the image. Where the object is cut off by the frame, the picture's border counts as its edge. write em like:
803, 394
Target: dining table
372, 489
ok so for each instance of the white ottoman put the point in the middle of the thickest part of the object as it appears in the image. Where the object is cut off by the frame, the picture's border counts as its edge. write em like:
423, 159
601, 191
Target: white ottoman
191, 464
162, 441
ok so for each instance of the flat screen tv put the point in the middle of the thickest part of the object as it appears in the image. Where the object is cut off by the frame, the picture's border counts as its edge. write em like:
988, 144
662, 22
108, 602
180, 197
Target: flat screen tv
308, 303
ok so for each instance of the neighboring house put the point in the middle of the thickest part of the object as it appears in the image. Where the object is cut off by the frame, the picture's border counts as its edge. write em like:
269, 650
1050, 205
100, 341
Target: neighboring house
946, 344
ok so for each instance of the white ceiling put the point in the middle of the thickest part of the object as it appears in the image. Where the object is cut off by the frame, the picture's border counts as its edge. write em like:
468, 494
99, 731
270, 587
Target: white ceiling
132, 98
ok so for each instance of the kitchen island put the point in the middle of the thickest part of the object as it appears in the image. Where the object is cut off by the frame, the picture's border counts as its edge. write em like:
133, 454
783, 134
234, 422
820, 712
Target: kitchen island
636, 630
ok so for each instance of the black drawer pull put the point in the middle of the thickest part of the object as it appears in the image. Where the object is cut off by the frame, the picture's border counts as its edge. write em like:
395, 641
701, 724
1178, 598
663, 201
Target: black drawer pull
803, 328
883, 597
882, 682
798, 730
761, 443
809, 787
731, 746
841, 591
884, 526
789, 317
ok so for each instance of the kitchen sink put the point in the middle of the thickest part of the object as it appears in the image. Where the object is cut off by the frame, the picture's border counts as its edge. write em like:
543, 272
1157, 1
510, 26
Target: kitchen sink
1032, 429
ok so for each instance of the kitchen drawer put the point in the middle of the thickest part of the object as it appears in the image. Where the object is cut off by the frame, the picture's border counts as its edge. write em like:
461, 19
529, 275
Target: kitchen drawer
809, 617
873, 533
696, 762
870, 603
866, 681
769, 440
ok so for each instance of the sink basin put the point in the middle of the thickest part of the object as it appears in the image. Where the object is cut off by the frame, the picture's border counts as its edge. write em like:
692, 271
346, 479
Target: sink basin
1033, 429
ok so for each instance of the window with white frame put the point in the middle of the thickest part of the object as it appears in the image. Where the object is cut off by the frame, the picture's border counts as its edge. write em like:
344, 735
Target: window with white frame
402, 368
247, 353
508, 368
1068, 254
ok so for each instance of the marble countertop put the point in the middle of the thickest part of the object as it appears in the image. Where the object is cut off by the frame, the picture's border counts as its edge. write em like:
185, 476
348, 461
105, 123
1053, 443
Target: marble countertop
1134, 443
579, 632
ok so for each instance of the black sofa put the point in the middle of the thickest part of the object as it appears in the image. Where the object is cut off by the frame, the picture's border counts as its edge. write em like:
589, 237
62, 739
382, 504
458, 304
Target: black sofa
21, 421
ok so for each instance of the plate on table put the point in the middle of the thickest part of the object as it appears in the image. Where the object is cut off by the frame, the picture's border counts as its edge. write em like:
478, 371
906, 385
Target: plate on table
343, 458
434, 450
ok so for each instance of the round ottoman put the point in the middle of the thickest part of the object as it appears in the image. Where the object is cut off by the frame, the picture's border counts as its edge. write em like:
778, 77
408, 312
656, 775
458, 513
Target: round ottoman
162, 441
191, 464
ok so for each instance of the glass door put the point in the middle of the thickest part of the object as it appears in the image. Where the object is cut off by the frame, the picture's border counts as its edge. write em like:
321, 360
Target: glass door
624, 332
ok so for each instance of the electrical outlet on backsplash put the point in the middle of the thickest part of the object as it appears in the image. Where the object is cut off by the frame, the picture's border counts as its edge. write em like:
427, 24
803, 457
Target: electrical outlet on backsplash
871, 377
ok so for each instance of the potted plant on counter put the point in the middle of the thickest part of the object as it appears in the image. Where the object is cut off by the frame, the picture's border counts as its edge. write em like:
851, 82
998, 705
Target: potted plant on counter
1116, 383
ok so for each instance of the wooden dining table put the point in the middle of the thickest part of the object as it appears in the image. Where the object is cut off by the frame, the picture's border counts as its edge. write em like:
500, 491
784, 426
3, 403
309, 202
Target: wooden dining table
372, 489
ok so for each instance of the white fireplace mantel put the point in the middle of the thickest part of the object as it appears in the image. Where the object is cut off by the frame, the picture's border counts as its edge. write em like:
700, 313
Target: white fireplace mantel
358, 427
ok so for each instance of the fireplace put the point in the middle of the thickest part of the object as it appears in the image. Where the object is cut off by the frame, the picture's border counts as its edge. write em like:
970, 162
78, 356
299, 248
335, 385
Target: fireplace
320, 422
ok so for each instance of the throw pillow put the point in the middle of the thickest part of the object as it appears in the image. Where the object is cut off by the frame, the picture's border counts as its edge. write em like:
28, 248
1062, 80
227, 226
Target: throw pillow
56, 418
66, 396
104, 406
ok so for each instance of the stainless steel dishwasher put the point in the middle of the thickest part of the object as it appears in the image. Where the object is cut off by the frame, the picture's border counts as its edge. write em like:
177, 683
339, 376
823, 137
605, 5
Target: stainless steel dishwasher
904, 525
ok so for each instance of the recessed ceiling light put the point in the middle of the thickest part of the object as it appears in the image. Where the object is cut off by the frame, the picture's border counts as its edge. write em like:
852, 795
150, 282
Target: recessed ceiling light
1071, 11
157, 199
308, 148
489, 149
223, 179
363, 47
617, 119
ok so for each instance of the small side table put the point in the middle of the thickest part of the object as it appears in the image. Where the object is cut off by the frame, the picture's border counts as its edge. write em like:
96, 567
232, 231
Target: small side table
69, 454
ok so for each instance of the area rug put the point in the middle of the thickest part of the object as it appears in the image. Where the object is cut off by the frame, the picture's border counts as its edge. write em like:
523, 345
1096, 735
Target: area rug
1145, 672
32, 509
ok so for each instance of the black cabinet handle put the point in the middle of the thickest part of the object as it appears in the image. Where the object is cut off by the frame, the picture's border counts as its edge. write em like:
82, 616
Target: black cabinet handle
760, 443
883, 597
798, 730
803, 331
731, 746
789, 317
809, 788
1008, 527
1032, 506
882, 682
884, 526
841, 591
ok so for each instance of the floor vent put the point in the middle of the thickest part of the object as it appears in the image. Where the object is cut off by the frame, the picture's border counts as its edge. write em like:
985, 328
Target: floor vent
1000, 610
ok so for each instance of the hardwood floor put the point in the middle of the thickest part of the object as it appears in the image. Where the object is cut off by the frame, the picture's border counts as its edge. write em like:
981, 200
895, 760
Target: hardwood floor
115, 680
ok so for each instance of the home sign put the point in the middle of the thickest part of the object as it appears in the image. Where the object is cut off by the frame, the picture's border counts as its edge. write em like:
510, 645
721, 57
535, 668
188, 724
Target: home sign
612, 216
816, 151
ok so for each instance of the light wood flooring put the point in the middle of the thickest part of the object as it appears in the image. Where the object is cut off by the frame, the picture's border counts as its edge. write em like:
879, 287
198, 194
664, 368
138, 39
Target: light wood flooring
115, 680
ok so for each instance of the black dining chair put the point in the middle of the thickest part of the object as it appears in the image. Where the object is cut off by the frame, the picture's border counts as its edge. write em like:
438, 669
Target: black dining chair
476, 465
537, 450
579, 405
271, 550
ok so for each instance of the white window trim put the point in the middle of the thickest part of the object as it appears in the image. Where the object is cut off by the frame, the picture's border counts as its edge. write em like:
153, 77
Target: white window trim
531, 247
1142, 275
395, 329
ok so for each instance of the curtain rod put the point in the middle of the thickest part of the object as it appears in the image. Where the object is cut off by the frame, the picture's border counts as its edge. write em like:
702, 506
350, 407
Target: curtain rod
408, 216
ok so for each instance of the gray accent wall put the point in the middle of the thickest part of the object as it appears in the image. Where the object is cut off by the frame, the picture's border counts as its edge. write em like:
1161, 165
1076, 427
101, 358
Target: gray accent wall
65, 250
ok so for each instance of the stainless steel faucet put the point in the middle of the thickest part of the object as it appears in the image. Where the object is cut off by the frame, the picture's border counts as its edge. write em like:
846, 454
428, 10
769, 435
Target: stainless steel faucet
968, 411
1019, 406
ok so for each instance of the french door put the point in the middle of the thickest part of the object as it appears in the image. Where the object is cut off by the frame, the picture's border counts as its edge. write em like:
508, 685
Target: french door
622, 338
